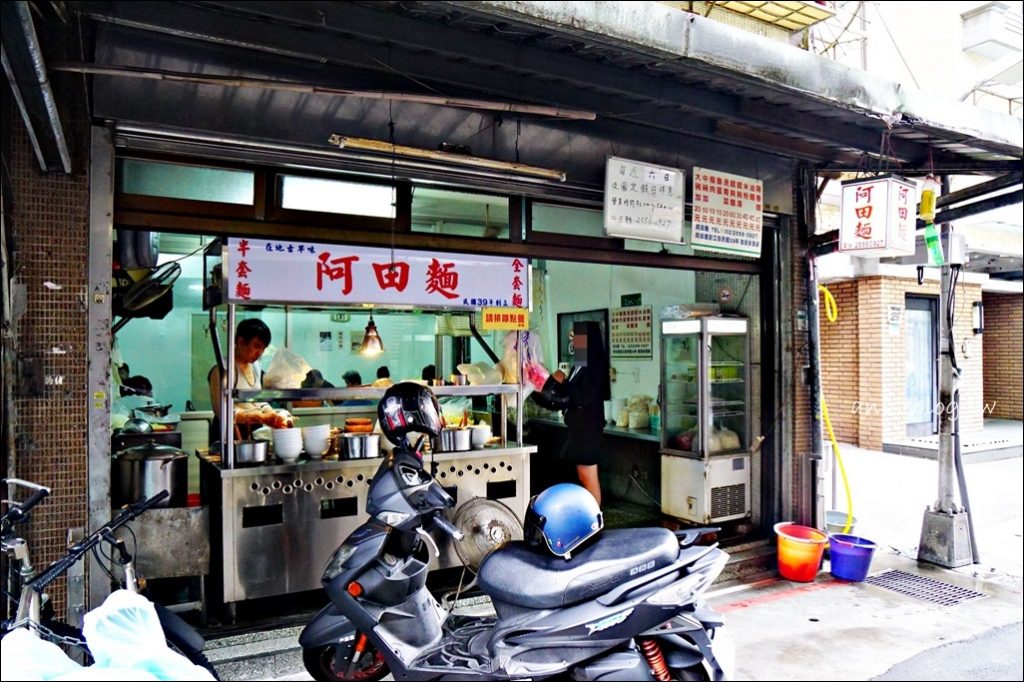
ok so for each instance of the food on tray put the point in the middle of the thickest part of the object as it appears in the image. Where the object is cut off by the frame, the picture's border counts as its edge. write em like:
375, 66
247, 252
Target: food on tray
261, 413
358, 425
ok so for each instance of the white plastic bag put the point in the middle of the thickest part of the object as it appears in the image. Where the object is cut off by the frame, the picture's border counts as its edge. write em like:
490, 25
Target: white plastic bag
287, 370
23, 656
125, 632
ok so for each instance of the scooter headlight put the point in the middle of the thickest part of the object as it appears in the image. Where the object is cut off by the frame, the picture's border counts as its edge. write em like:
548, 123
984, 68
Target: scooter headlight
336, 563
393, 518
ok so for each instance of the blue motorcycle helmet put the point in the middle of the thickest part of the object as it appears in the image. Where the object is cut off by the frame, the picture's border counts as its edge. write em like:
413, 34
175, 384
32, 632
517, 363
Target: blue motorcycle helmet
562, 518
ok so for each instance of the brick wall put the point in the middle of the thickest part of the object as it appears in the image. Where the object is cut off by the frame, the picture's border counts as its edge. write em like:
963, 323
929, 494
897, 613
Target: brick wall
840, 361
864, 359
50, 259
1002, 341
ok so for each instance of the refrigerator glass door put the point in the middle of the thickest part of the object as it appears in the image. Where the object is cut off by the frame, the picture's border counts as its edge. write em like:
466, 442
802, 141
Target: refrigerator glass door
727, 407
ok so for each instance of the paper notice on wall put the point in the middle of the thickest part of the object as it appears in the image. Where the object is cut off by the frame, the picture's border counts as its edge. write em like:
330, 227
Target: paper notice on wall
726, 212
643, 201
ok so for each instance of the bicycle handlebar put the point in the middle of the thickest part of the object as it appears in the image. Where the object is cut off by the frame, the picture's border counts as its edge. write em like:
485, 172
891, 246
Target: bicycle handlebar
78, 550
18, 511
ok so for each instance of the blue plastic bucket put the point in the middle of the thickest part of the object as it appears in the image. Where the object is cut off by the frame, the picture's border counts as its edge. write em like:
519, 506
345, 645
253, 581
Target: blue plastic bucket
850, 556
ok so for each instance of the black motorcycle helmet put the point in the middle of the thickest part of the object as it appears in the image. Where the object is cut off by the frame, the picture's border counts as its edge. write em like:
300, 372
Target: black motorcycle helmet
408, 407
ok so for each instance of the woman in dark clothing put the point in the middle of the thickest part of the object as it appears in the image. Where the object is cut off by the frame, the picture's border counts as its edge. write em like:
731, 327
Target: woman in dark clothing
581, 398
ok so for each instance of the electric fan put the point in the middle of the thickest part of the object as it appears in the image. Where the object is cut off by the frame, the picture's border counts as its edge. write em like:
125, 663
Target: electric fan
486, 525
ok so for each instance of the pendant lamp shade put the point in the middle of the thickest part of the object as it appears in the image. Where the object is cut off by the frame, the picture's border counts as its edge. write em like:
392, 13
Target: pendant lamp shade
371, 345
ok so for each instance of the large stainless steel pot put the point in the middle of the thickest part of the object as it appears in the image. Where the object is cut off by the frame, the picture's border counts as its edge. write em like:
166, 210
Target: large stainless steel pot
145, 470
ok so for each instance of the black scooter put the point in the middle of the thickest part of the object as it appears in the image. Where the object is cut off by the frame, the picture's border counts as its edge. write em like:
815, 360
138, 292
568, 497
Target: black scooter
626, 607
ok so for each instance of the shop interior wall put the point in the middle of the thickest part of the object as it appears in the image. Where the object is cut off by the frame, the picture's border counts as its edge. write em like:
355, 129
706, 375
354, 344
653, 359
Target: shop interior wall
574, 287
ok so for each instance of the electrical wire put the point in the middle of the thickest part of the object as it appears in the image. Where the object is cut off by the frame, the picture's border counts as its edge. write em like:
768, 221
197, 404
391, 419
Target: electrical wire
897, 47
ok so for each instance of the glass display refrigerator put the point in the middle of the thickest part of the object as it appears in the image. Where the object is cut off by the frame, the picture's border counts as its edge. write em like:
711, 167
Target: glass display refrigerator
705, 418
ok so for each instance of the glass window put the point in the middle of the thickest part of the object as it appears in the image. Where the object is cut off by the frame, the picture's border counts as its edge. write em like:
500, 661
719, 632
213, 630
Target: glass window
336, 196
581, 222
459, 214
176, 181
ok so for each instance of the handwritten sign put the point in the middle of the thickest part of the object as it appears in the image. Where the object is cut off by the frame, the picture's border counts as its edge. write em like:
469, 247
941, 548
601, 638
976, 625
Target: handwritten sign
630, 334
643, 201
727, 212
276, 271
878, 217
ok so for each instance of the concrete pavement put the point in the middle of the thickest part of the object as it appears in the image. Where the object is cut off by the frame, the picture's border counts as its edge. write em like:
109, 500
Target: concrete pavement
834, 630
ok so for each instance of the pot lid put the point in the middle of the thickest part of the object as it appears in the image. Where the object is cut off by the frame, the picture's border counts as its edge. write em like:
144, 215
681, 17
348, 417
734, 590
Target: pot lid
150, 450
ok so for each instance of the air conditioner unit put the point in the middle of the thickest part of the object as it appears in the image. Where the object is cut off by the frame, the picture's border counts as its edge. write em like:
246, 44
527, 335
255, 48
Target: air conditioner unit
702, 491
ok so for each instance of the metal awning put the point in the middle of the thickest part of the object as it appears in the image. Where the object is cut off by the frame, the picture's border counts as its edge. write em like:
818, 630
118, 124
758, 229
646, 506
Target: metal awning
641, 63
646, 70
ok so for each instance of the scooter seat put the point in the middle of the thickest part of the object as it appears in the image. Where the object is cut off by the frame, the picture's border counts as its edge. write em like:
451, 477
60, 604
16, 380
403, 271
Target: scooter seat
523, 575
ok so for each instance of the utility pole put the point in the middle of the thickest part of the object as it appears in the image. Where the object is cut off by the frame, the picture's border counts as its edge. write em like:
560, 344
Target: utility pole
945, 535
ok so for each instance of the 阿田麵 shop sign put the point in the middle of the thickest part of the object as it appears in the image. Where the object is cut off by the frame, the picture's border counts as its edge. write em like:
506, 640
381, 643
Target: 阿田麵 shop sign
879, 216
277, 271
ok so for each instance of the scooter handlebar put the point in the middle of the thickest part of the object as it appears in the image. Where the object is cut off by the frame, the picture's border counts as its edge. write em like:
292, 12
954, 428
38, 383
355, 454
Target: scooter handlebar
444, 524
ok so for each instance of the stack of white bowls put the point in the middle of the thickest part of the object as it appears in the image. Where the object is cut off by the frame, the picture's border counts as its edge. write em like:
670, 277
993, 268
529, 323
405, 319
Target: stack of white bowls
288, 444
316, 439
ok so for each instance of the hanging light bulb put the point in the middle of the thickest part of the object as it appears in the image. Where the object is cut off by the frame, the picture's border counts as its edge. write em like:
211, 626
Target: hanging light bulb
371, 345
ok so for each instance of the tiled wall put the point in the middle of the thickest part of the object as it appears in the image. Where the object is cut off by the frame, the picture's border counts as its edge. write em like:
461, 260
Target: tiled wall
50, 258
1002, 339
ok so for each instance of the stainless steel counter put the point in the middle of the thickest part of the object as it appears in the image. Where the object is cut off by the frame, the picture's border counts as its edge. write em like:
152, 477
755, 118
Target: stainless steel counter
279, 522
609, 429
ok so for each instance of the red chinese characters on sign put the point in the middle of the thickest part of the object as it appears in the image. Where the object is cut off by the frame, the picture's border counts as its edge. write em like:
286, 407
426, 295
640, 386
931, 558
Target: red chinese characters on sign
242, 270
392, 275
903, 212
517, 283
863, 212
442, 279
335, 269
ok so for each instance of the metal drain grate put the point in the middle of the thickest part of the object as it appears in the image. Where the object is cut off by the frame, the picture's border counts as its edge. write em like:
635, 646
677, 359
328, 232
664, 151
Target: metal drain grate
924, 588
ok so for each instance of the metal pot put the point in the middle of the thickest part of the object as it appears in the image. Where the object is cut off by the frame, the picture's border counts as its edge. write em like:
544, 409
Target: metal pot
360, 445
137, 425
248, 451
145, 470
455, 440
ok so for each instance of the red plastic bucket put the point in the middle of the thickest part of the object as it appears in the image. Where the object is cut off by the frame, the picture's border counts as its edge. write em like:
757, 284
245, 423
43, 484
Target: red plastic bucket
799, 549
850, 557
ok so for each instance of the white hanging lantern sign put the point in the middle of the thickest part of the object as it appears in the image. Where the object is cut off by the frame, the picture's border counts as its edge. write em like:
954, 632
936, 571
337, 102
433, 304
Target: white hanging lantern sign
879, 217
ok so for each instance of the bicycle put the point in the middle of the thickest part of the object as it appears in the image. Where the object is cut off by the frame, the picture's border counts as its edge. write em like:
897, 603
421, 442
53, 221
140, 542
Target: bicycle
31, 614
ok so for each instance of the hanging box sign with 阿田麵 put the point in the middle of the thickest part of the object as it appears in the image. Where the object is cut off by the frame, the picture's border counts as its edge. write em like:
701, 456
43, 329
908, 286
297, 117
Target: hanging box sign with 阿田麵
277, 271
878, 217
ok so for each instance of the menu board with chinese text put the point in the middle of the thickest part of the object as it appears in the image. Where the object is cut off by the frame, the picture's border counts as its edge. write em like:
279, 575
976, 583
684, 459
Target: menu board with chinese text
630, 334
643, 201
726, 212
